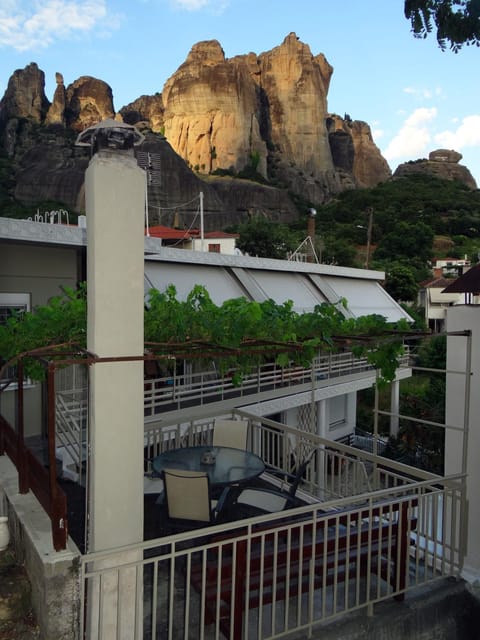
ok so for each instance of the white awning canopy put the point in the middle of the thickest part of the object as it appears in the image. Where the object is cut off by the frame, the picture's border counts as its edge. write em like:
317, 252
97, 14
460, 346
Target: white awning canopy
307, 285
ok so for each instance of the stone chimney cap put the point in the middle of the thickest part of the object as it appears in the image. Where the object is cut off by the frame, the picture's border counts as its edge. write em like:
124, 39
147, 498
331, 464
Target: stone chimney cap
110, 134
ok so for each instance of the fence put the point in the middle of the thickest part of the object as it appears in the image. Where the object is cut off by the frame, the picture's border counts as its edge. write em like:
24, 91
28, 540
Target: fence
270, 576
371, 529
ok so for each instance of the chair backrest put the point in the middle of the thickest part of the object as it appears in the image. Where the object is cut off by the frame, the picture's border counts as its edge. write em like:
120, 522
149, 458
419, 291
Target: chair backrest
299, 473
230, 433
187, 494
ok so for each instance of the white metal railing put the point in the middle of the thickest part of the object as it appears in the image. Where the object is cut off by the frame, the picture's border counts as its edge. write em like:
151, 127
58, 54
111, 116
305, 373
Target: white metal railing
271, 576
336, 469
371, 529
71, 423
180, 390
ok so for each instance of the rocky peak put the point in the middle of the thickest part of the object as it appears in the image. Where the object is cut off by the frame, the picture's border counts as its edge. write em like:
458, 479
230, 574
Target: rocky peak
266, 113
88, 101
56, 113
148, 109
211, 116
25, 95
441, 163
208, 52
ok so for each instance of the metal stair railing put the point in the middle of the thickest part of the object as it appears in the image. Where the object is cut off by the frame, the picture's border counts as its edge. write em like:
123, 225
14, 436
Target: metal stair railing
71, 433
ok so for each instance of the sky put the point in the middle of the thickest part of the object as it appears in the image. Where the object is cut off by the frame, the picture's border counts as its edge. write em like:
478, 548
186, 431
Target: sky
415, 97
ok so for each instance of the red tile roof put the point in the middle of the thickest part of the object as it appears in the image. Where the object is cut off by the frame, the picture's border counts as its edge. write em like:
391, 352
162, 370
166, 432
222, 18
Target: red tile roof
167, 233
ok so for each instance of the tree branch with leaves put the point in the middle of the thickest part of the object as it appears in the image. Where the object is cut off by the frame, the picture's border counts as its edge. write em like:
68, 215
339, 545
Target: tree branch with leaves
457, 22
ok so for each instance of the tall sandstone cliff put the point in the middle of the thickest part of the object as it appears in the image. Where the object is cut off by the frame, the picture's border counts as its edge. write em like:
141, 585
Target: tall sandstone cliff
268, 111
260, 114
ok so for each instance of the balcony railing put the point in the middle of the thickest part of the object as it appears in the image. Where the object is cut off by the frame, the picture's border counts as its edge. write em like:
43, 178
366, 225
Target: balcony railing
371, 529
179, 391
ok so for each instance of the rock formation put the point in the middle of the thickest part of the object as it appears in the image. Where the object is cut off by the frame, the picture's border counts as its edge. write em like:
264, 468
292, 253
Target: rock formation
88, 101
148, 109
25, 96
212, 112
295, 85
265, 113
254, 116
441, 163
354, 151
56, 113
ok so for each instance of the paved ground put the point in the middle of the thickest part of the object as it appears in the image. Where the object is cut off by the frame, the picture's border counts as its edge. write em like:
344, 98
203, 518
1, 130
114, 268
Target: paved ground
17, 621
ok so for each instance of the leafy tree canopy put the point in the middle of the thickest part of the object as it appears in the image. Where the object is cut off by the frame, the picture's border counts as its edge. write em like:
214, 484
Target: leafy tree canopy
243, 332
448, 208
265, 239
408, 240
401, 283
457, 21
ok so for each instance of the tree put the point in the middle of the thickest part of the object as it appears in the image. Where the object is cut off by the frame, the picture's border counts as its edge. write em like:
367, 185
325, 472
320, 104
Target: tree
411, 241
400, 282
264, 239
457, 21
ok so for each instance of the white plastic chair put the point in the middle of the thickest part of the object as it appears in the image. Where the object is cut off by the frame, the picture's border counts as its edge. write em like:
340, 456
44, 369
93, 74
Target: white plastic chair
187, 496
230, 433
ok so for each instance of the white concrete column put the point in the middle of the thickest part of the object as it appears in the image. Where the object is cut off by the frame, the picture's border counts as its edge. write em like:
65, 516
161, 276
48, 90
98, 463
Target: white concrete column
460, 318
115, 191
322, 418
394, 407
322, 431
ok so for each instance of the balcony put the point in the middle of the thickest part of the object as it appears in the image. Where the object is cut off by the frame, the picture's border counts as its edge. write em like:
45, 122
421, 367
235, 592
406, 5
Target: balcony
369, 530
170, 396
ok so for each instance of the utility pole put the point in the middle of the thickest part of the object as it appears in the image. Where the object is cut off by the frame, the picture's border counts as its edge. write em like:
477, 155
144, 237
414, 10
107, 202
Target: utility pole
369, 235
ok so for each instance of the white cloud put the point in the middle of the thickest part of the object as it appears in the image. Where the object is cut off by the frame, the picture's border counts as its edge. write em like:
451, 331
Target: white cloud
377, 134
423, 93
215, 6
466, 135
191, 5
26, 26
413, 137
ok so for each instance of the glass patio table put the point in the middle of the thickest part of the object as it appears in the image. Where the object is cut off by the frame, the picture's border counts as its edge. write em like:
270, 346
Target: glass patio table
229, 466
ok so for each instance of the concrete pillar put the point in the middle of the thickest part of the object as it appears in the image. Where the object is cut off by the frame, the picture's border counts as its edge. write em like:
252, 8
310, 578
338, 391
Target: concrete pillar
322, 418
461, 414
394, 407
115, 191
322, 430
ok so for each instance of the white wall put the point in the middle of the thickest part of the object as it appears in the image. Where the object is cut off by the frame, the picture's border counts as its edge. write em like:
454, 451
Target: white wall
460, 318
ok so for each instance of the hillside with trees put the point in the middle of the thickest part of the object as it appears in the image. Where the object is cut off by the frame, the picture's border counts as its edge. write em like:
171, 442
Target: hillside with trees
413, 219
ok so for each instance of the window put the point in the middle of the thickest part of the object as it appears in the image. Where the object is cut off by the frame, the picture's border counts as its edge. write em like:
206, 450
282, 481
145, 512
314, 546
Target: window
10, 304
214, 248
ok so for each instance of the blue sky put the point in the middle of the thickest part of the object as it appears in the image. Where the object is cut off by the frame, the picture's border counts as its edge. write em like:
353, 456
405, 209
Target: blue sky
415, 97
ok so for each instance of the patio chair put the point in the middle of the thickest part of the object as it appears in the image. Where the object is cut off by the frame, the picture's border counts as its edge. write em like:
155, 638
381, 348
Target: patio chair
230, 433
188, 497
266, 500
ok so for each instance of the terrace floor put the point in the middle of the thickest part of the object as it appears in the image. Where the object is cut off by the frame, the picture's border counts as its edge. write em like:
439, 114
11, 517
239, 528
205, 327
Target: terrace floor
156, 522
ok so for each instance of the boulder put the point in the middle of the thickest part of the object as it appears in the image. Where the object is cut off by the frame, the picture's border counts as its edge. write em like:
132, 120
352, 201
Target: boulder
445, 155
